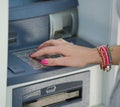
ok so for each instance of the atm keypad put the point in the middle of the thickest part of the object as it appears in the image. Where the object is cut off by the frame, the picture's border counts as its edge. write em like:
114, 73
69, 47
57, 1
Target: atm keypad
25, 56
34, 62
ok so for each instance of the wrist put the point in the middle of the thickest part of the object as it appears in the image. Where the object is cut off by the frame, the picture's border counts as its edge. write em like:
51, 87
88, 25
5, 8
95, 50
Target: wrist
95, 57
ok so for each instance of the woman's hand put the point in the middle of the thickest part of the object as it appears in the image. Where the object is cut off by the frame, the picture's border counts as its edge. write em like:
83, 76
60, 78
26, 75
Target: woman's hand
72, 55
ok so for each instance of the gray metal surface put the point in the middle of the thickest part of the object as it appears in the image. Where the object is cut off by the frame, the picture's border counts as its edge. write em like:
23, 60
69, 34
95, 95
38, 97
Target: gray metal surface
20, 92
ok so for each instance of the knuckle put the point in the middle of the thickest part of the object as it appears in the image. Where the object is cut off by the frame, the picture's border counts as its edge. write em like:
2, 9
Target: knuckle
60, 39
52, 40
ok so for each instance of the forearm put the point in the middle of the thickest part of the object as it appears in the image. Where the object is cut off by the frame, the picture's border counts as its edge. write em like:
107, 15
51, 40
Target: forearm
115, 54
95, 58
74, 55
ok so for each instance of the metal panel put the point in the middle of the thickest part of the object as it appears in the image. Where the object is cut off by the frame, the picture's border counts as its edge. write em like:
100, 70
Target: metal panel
28, 32
40, 8
34, 91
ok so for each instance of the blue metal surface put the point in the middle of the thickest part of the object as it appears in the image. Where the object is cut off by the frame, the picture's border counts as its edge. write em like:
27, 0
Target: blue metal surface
29, 24
16, 3
40, 9
28, 32
32, 74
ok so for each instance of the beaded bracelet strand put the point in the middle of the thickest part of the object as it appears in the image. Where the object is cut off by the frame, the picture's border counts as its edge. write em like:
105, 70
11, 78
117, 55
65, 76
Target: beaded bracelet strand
107, 60
105, 55
109, 53
103, 63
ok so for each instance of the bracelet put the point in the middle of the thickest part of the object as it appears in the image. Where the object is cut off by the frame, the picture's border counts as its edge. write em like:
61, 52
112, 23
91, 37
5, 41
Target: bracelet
104, 52
102, 64
109, 54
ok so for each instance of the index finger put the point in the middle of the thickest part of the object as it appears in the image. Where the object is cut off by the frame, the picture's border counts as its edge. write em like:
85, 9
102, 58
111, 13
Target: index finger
51, 50
52, 42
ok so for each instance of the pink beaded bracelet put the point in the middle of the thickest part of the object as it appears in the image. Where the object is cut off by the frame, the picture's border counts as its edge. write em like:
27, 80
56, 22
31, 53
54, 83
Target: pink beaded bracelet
104, 53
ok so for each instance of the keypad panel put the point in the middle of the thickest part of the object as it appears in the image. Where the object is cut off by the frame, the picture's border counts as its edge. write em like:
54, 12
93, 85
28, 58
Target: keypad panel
25, 56
34, 62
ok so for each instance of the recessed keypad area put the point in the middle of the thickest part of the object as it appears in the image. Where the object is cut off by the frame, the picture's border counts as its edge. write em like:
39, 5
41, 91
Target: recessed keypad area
34, 62
25, 56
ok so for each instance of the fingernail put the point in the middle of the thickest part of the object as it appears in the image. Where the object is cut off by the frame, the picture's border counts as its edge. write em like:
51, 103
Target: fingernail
37, 48
44, 62
30, 55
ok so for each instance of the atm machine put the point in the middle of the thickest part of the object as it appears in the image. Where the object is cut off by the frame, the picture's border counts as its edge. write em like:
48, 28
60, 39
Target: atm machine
30, 84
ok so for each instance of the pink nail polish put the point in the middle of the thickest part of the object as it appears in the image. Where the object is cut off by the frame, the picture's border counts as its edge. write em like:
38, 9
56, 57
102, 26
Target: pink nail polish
44, 62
